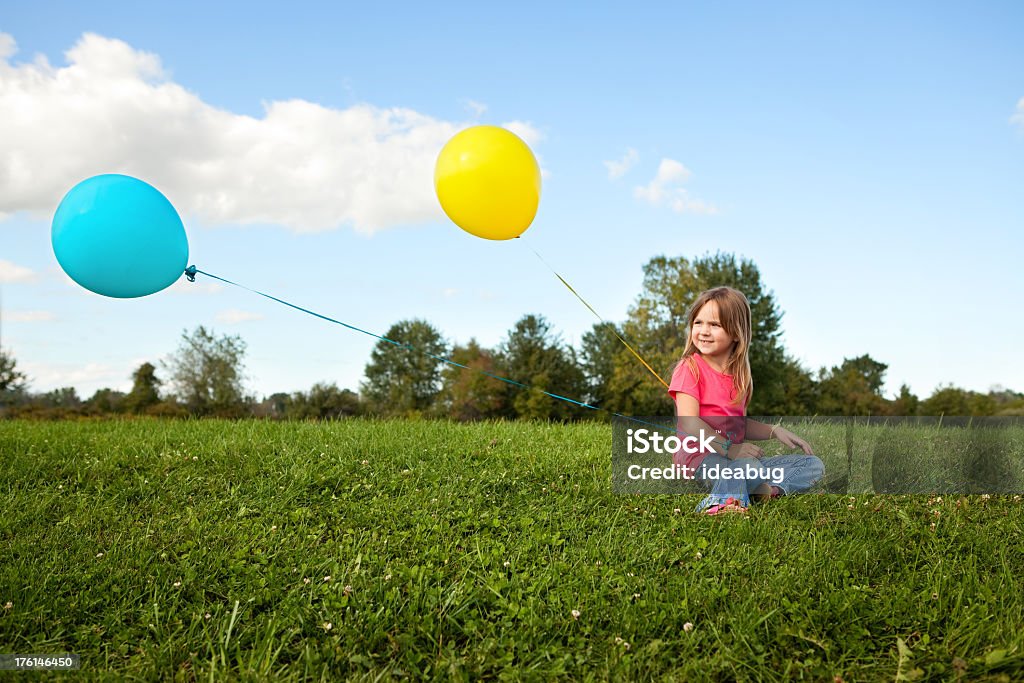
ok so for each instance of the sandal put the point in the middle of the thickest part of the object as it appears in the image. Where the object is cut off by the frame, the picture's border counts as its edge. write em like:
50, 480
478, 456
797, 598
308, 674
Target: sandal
730, 506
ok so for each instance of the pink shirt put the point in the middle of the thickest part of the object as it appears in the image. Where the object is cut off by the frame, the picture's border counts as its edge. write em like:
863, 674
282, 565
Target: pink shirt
714, 392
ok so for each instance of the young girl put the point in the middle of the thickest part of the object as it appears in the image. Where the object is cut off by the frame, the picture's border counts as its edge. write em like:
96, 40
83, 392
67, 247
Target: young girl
711, 387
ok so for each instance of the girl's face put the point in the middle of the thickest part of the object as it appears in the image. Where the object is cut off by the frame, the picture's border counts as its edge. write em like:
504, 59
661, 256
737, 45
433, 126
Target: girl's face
709, 336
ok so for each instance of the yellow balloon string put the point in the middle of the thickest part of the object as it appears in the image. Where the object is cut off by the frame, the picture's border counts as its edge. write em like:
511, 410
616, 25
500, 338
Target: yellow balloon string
591, 308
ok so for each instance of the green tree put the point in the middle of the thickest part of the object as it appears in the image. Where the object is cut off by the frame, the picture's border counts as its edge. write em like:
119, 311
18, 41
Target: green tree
467, 393
534, 355
905, 404
656, 326
12, 381
1007, 402
598, 351
65, 397
981, 405
323, 402
799, 393
950, 400
145, 389
853, 388
405, 378
207, 373
105, 402
276, 405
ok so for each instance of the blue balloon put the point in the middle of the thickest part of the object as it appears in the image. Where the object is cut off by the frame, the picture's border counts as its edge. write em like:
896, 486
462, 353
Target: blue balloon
118, 236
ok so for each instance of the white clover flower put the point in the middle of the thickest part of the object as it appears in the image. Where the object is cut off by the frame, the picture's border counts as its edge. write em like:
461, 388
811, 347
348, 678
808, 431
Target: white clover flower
575, 614
687, 627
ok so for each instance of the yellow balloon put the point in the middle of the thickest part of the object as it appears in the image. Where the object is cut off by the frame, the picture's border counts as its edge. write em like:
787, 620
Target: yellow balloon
488, 182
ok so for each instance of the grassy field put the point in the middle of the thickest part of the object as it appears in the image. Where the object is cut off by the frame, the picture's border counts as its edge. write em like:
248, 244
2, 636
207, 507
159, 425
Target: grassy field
384, 550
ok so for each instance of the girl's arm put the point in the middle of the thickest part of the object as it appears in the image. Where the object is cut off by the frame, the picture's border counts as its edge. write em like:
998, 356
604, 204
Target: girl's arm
759, 431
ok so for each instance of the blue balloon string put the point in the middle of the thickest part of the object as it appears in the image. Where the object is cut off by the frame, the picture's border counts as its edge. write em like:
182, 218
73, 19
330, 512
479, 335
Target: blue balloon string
191, 274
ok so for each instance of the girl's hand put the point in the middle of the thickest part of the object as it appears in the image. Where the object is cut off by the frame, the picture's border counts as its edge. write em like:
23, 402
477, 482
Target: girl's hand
745, 450
792, 440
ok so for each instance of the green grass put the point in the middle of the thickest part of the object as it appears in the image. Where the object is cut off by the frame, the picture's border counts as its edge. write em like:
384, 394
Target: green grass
200, 550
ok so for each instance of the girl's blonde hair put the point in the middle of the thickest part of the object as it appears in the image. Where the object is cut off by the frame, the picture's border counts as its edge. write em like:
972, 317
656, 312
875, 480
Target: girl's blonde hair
734, 315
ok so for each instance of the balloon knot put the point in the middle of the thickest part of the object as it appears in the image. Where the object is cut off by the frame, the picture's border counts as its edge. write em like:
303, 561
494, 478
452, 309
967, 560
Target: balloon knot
190, 273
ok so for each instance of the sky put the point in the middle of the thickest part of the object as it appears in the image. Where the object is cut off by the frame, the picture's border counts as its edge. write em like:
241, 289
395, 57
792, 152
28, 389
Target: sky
868, 157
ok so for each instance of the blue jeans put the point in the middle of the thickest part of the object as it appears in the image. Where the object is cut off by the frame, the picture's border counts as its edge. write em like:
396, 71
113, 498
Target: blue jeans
791, 473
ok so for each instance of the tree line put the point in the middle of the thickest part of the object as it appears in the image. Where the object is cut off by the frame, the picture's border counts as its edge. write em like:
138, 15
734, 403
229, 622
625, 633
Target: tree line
407, 376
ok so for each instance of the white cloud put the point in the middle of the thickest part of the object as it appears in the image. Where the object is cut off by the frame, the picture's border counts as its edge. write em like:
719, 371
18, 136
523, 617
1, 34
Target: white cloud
617, 169
670, 173
87, 379
666, 188
12, 272
28, 316
475, 108
113, 108
233, 316
7, 46
1018, 116
449, 292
